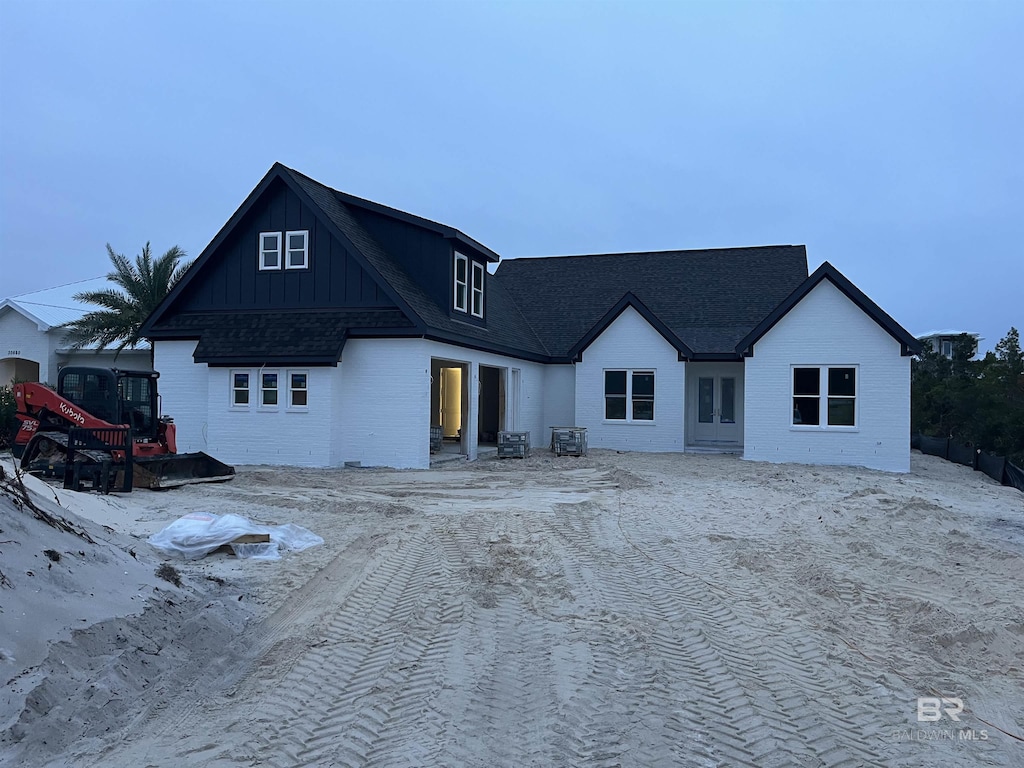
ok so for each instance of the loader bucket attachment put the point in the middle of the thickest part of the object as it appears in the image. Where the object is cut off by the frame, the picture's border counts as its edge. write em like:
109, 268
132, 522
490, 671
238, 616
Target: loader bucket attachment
175, 469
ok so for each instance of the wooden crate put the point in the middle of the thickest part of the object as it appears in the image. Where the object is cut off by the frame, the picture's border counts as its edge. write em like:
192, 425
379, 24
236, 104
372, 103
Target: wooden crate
569, 441
513, 445
435, 439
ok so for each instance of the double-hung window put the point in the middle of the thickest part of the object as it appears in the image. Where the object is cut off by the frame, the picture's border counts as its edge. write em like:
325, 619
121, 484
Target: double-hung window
461, 282
270, 250
825, 396
629, 395
478, 290
297, 255
298, 389
268, 389
240, 389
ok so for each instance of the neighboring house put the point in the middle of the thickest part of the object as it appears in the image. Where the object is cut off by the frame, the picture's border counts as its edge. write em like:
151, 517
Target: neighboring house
942, 341
318, 328
34, 346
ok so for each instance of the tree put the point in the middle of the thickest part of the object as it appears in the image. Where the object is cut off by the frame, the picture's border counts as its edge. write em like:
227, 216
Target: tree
139, 288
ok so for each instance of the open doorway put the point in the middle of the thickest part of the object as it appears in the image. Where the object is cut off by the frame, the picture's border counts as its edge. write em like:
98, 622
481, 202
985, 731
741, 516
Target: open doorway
449, 403
492, 404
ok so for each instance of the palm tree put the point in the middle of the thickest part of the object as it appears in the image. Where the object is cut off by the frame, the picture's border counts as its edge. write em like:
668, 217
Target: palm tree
139, 288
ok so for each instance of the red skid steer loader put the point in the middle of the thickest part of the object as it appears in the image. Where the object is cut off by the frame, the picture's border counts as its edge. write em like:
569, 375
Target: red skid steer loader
84, 416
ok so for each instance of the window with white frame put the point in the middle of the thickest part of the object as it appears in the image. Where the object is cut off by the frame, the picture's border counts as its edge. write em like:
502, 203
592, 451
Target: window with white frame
270, 250
297, 249
478, 290
461, 282
298, 388
240, 389
824, 396
629, 395
268, 389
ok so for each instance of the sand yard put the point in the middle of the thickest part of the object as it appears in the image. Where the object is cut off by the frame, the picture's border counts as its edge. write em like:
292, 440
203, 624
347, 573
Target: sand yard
616, 610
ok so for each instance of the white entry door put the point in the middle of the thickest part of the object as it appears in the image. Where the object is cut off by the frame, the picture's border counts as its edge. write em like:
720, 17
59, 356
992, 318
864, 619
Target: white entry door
718, 405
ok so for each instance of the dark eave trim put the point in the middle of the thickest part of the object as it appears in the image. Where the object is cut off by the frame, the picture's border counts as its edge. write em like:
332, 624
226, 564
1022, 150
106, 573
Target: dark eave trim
716, 357
629, 300
908, 344
236, 362
498, 349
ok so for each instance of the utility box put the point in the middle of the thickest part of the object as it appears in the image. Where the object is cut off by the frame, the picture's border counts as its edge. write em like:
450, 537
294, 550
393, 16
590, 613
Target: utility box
435, 439
569, 441
513, 445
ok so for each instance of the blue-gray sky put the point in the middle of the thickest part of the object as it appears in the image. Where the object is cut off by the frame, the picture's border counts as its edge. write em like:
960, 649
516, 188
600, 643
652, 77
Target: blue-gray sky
887, 137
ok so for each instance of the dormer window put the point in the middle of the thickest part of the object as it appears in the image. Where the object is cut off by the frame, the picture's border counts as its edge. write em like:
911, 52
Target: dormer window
270, 250
298, 250
461, 282
478, 289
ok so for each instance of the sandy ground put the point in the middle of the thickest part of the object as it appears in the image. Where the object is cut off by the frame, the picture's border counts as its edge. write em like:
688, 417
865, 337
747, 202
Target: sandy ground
617, 610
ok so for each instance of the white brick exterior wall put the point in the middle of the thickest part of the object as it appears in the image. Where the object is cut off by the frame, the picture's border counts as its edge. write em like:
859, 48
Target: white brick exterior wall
183, 391
631, 343
826, 328
257, 434
559, 398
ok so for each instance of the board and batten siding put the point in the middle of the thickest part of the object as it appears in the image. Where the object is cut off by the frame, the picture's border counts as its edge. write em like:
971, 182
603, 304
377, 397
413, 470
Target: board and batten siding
183, 387
631, 343
826, 328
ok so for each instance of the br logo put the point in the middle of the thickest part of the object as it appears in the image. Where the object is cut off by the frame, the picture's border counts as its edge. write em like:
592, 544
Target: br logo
931, 709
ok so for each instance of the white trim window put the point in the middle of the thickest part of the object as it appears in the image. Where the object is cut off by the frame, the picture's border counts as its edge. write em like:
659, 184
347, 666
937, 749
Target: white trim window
461, 270
270, 250
297, 249
239, 389
268, 389
629, 395
836, 385
478, 290
298, 389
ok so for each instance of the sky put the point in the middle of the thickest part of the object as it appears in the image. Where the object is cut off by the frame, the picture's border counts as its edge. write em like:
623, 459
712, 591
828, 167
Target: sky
888, 137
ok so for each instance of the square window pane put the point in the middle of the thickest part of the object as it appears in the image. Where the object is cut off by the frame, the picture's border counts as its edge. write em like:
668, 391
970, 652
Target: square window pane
270, 381
643, 410
298, 381
806, 381
805, 411
241, 397
297, 242
270, 260
270, 242
615, 384
840, 411
242, 380
615, 407
643, 384
299, 398
296, 258
841, 381
270, 397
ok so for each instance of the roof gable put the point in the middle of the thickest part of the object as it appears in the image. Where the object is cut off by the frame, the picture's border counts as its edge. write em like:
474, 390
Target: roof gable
629, 300
277, 174
908, 344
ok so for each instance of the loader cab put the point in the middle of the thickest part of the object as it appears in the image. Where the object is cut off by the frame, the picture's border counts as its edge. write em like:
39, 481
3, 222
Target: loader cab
113, 395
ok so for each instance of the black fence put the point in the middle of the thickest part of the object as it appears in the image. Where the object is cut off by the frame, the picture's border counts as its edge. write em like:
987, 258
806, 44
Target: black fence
1000, 469
99, 459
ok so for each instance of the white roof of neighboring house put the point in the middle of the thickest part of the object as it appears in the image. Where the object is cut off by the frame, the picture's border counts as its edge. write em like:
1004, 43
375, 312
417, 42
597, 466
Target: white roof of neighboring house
52, 307
930, 334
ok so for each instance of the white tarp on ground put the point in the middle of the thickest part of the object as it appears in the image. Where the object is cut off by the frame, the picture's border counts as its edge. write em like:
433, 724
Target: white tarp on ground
197, 534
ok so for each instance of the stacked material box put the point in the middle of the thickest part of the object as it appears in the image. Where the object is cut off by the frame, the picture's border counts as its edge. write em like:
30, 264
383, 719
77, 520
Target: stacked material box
569, 441
435, 439
514, 445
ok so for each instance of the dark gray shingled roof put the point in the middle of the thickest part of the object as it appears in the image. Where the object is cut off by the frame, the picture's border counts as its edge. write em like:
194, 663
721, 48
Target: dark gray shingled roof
710, 299
258, 338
